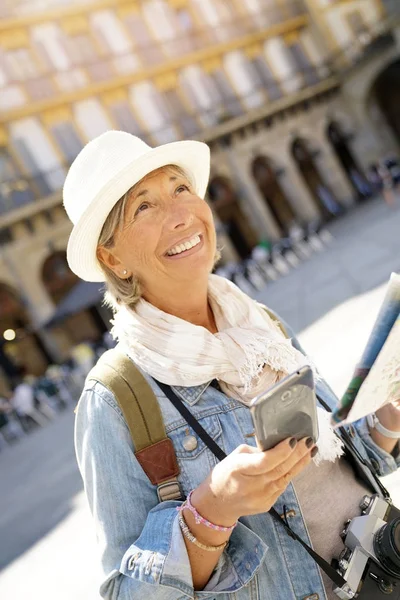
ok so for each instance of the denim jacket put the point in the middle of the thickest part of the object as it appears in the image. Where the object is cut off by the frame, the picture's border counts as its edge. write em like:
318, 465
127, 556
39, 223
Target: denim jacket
143, 553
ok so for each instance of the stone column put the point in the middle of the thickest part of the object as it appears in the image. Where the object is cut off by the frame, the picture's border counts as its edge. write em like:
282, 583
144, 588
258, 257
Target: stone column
295, 187
250, 197
331, 169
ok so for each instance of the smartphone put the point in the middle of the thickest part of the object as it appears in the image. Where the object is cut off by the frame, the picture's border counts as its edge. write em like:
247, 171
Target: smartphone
288, 409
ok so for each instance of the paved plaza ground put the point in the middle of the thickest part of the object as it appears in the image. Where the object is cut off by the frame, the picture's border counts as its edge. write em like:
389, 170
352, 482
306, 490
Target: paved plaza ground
47, 547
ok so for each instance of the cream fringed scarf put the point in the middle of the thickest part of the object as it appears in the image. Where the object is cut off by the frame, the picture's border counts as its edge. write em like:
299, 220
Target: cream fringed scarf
247, 355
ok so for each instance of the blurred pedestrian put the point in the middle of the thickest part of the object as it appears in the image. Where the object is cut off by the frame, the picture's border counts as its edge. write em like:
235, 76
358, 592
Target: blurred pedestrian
23, 402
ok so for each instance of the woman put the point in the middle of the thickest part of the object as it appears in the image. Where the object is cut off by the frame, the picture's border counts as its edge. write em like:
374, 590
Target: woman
141, 225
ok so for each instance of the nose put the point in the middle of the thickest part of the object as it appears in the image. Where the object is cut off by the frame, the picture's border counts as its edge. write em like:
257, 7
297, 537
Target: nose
179, 216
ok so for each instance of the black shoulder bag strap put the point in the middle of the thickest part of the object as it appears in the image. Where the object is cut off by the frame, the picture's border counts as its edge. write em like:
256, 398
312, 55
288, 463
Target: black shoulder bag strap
220, 454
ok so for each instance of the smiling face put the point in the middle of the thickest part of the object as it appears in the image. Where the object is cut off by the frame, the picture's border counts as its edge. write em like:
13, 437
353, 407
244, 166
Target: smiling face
168, 237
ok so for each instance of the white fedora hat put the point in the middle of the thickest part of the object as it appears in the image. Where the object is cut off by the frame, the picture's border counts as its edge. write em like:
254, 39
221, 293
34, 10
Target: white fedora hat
103, 172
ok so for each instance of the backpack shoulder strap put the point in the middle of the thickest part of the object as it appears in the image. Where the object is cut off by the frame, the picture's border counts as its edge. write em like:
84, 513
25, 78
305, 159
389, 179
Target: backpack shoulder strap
153, 448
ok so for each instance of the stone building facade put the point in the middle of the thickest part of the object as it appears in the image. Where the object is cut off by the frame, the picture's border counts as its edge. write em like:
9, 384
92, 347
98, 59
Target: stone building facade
289, 94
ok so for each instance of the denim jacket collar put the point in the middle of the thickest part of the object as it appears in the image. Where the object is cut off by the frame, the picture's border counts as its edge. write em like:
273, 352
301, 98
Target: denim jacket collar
192, 394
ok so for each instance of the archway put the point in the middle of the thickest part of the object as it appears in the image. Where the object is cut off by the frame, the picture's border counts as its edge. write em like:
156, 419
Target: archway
354, 173
225, 203
57, 277
20, 346
386, 90
82, 325
275, 198
322, 194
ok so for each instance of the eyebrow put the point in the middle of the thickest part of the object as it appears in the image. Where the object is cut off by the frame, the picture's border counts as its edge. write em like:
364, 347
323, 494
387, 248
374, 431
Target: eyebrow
144, 192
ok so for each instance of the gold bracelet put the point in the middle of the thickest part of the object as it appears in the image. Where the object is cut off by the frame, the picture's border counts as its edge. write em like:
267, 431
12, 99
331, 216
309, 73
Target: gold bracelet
189, 536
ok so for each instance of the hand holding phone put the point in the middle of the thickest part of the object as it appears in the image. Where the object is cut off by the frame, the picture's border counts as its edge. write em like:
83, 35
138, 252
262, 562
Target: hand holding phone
286, 410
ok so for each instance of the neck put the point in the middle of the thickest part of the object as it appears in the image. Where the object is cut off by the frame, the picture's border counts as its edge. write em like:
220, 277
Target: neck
190, 304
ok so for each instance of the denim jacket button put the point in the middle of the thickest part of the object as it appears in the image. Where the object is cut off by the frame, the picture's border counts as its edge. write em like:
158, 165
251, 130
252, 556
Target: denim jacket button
189, 443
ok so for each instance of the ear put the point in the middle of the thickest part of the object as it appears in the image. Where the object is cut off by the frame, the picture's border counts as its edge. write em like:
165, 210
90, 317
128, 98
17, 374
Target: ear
110, 260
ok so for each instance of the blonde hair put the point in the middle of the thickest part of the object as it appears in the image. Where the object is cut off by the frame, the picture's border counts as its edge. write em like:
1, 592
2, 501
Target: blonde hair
125, 291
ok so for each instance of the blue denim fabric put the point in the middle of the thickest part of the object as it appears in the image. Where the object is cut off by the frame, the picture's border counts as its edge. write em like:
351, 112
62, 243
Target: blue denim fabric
143, 554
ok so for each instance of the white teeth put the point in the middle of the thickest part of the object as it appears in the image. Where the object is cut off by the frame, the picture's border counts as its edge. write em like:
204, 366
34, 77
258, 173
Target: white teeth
185, 246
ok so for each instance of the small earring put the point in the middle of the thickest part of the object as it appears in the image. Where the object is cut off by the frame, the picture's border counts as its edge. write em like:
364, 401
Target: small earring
124, 272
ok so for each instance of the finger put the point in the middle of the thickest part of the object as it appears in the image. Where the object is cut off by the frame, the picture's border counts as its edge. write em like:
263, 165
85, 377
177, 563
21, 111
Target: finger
260, 463
278, 486
245, 449
303, 448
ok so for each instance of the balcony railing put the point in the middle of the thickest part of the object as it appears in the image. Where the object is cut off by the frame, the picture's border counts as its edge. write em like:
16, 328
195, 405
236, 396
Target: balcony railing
21, 8
19, 191
138, 62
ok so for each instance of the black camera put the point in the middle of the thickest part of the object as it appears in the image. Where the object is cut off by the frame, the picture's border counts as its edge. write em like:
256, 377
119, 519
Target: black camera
370, 561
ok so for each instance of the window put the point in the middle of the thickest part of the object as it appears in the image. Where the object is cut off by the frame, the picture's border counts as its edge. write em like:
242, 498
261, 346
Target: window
267, 79
148, 50
124, 118
244, 79
92, 118
32, 145
285, 68
14, 190
111, 32
230, 103
81, 49
202, 93
264, 12
151, 106
40, 88
67, 140
21, 65
303, 64
179, 113
221, 21
52, 41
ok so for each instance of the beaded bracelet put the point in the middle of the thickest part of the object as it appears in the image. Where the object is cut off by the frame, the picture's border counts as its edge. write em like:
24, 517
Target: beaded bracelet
199, 519
189, 536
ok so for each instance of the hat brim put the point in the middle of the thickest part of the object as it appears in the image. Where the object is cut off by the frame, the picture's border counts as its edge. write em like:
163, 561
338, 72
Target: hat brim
191, 156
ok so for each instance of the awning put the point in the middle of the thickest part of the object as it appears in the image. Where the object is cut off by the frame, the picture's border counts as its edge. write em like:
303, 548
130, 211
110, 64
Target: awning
84, 295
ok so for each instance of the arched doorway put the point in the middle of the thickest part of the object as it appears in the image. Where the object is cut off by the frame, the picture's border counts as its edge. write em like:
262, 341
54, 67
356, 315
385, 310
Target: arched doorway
20, 346
80, 325
340, 144
225, 203
57, 277
275, 198
386, 90
322, 194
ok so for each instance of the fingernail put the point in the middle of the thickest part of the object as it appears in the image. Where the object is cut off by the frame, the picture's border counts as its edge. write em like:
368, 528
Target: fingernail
314, 451
309, 442
292, 442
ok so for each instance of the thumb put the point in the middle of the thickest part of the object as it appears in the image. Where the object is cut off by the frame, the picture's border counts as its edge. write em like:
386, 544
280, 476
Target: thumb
245, 449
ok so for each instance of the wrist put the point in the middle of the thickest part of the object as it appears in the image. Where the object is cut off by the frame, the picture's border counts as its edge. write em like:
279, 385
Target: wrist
209, 506
389, 417
383, 441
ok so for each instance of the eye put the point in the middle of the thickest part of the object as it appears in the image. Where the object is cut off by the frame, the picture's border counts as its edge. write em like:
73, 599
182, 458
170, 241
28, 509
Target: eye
142, 207
182, 187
